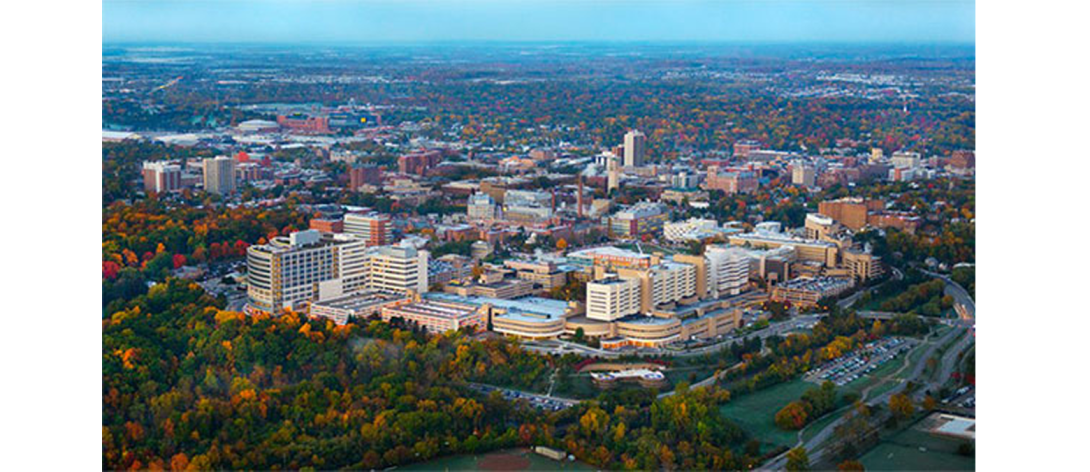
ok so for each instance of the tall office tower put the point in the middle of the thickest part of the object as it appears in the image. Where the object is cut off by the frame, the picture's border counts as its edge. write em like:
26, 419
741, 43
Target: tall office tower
634, 142
372, 228
613, 176
160, 177
219, 175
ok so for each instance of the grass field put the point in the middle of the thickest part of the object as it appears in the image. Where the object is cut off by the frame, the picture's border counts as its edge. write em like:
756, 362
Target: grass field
755, 412
902, 451
687, 374
510, 459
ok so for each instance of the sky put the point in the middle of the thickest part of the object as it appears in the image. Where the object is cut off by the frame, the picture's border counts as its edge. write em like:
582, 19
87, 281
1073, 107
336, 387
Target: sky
381, 21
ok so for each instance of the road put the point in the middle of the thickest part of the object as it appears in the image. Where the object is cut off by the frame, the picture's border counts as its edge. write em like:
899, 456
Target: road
774, 329
848, 301
948, 363
535, 398
557, 346
814, 453
711, 380
958, 292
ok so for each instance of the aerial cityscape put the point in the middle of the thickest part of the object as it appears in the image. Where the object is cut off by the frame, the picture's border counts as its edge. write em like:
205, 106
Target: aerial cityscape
586, 255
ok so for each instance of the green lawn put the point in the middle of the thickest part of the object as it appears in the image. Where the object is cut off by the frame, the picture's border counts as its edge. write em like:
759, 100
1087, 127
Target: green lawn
683, 374
884, 370
902, 451
755, 412
856, 386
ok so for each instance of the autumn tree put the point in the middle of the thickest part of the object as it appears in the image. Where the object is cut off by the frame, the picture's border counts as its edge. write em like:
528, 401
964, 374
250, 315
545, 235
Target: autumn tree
797, 459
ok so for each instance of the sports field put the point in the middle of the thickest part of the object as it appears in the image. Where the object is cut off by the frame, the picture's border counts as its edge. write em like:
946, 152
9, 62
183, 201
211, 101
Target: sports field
755, 412
913, 449
509, 459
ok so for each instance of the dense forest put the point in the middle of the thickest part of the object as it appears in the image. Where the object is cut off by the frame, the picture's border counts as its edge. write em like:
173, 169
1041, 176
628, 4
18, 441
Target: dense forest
188, 384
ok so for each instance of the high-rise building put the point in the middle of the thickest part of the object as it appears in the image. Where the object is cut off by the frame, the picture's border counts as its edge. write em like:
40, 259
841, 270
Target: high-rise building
306, 266
287, 272
481, 207
862, 264
876, 155
612, 298
634, 143
639, 219
360, 175
397, 269
372, 228
327, 225
613, 175
219, 175
162, 177
905, 160
803, 174
419, 162
820, 227
733, 182
850, 212
728, 270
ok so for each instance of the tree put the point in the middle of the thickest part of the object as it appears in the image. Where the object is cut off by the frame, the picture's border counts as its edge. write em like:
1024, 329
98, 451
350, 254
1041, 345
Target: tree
797, 459
929, 403
901, 406
792, 416
851, 465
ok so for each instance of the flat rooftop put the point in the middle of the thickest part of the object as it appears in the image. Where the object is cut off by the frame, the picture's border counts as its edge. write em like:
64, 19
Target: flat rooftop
607, 251
358, 301
815, 284
526, 305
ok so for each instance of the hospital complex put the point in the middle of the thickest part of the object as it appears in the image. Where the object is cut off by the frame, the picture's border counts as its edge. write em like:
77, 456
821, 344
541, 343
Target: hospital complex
633, 298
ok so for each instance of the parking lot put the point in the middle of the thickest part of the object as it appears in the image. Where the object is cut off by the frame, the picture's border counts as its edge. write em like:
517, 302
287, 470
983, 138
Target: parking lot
541, 402
860, 362
964, 397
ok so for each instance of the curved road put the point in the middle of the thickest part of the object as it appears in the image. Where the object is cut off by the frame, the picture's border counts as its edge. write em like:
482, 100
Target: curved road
780, 462
947, 365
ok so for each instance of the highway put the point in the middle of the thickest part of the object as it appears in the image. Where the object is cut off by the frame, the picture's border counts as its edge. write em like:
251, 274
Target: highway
848, 301
948, 363
958, 292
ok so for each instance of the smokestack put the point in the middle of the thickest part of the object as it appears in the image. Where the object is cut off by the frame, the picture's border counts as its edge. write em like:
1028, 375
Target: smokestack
579, 197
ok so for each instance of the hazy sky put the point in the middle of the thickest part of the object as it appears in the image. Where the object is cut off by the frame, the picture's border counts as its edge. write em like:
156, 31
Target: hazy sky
293, 21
